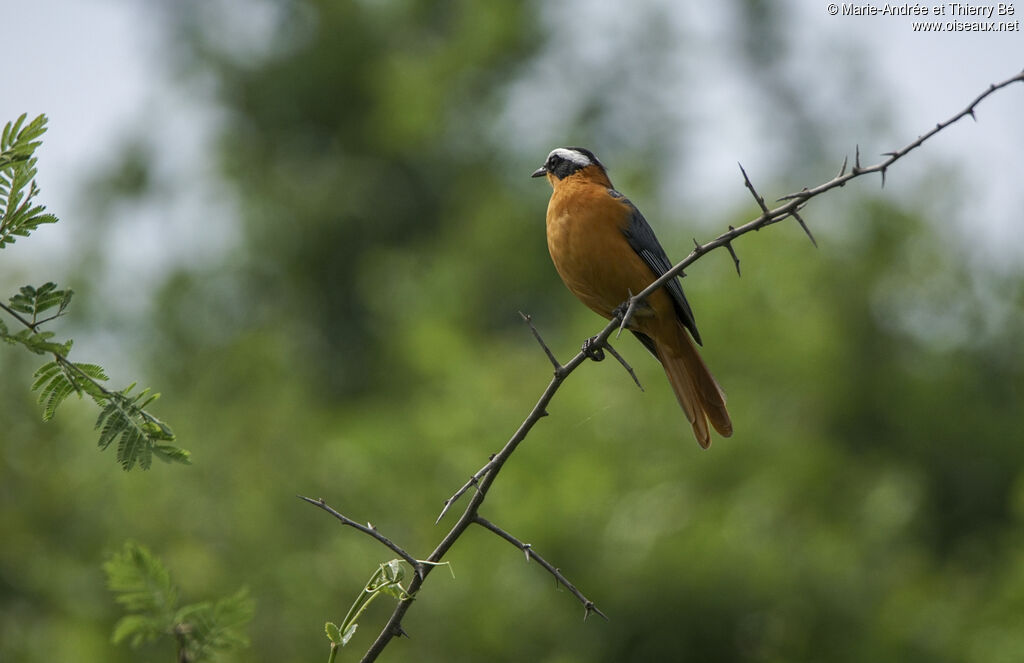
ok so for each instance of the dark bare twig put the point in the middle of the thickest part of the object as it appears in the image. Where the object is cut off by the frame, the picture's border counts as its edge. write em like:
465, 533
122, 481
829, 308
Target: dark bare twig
881, 167
588, 605
34, 326
369, 530
393, 627
793, 202
536, 335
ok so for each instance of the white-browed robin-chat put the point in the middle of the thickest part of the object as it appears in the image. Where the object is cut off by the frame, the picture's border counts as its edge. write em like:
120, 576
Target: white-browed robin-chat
605, 252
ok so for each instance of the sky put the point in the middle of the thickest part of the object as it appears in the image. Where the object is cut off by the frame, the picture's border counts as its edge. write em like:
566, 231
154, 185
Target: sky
98, 69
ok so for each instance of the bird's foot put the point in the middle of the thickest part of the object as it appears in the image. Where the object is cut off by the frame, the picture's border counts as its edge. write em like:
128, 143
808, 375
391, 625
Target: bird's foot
592, 349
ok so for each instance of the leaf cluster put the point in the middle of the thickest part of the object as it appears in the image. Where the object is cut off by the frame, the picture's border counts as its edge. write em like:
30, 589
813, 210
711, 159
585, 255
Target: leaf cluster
142, 585
21, 216
123, 416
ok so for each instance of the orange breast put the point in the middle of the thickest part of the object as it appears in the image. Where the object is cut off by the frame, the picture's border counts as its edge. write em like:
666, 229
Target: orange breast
591, 254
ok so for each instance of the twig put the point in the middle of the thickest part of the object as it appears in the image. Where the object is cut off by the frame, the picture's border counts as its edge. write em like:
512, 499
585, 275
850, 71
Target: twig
558, 366
588, 605
490, 473
369, 530
536, 335
794, 201
17, 316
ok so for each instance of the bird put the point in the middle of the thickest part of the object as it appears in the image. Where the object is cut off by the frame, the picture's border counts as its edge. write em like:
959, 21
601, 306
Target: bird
605, 252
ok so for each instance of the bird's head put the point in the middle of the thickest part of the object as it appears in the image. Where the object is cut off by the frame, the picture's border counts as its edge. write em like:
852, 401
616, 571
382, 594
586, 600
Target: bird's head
565, 161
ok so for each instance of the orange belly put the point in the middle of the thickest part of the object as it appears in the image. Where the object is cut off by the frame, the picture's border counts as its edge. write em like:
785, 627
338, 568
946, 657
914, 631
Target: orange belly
598, 265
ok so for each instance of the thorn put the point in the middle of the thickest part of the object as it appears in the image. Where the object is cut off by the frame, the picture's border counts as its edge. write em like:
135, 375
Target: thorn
806, 229
401, 631
589, 607
757, 197
629, 369
792, 196
697, 248
842, 171
856, 161
735, 258
526, 550
628, 315
883, 178
536, 335
970, 112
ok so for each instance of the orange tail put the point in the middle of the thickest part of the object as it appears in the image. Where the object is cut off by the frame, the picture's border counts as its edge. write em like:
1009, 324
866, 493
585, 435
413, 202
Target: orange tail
696, 389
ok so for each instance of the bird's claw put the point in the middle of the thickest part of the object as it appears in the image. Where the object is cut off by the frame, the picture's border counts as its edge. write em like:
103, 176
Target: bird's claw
592, 349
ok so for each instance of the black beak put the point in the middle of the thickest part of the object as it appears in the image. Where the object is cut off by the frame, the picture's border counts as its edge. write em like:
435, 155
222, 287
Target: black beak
540, 172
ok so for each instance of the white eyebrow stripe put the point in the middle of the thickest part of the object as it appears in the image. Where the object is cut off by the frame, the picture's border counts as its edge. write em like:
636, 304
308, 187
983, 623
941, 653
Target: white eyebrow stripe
571, 155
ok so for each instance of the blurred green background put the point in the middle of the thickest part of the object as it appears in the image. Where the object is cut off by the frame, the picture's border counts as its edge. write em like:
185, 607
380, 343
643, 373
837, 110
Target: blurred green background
341, 320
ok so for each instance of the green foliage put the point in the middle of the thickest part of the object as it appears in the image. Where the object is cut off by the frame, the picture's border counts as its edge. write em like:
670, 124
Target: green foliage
17, 180
123, 415
34, 301
142, 585
140, 434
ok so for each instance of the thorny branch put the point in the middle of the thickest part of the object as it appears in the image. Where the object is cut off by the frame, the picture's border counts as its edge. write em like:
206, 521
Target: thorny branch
588, 605
483, 479
369, 530
792, 203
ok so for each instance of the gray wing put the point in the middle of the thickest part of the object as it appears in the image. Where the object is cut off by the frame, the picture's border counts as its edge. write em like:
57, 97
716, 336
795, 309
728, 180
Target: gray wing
641, 238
